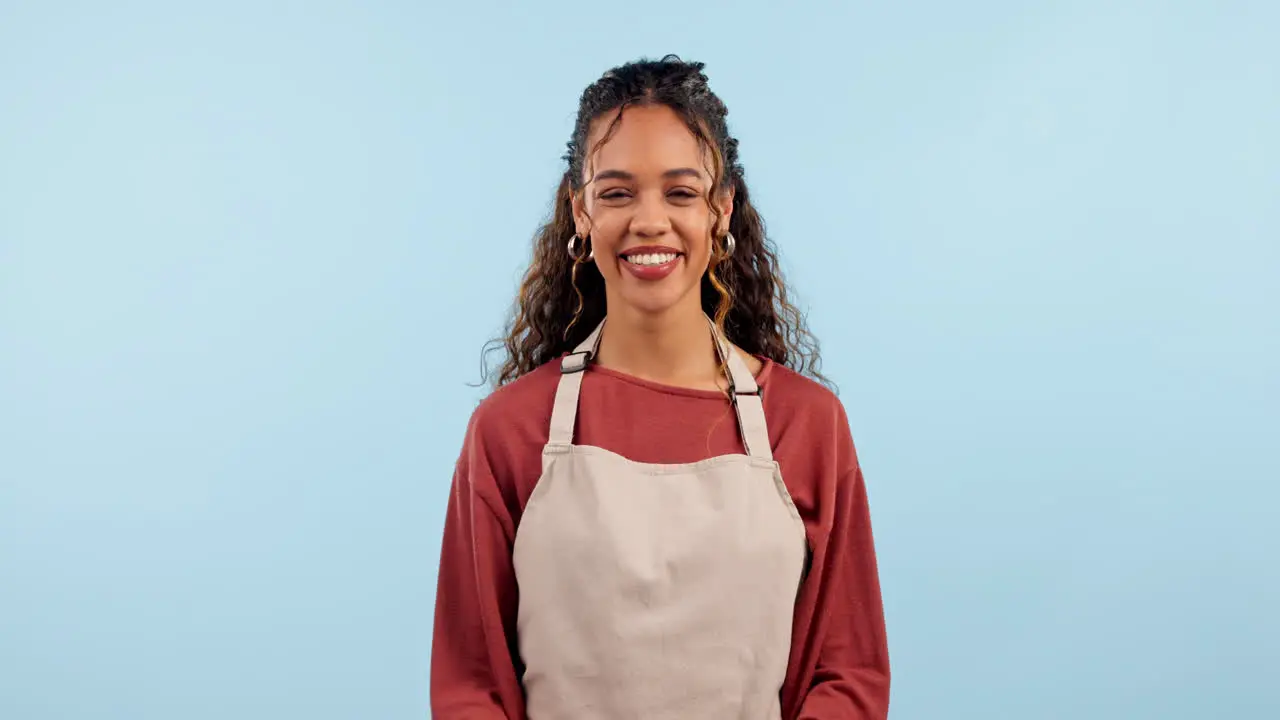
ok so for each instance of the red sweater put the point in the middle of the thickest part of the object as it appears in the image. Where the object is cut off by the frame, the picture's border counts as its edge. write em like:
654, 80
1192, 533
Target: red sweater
839, 665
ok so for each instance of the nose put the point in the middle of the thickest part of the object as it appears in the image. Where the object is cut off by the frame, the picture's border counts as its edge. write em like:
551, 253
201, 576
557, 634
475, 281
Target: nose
651, 218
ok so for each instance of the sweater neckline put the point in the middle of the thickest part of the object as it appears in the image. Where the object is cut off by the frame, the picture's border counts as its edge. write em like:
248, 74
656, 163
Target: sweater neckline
761, 378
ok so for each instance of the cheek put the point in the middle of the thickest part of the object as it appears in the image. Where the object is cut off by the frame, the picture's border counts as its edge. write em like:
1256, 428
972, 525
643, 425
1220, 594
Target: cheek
605, 229
607, 240
606, 237
697, 237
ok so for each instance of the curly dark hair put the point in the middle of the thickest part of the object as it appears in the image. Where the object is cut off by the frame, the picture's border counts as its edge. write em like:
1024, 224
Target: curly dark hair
562, 300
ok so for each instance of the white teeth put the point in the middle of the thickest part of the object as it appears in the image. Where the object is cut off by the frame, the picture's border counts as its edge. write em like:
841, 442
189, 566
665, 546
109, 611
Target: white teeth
651, 258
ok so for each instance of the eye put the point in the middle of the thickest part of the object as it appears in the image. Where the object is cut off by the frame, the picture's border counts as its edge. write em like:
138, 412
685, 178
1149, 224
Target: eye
683, 193
615, 194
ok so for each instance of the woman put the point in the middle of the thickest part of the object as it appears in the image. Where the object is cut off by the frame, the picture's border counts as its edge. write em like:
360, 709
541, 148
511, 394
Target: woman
658, 515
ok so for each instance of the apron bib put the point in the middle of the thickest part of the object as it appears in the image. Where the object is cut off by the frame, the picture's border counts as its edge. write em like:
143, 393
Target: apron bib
657, 592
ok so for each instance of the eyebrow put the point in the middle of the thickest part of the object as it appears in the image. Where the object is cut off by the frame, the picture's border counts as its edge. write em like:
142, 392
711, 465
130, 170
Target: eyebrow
624, 175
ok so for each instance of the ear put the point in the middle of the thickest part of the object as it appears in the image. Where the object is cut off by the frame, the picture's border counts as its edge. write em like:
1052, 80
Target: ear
581, 221
725, 201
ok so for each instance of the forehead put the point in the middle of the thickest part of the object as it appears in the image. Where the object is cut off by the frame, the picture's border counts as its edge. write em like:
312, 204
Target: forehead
648, 139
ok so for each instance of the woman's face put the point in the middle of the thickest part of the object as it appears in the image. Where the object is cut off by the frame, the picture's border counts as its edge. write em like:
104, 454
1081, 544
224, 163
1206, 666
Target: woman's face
644, 206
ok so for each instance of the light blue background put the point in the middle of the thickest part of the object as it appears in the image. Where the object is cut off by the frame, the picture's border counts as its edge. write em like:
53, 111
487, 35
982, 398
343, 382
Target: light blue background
250, 252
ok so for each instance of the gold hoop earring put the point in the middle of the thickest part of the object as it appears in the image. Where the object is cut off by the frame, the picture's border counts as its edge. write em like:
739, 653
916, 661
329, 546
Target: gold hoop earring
577, 246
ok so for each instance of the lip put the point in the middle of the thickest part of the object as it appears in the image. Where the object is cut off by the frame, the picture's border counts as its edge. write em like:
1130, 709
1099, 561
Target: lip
650, 273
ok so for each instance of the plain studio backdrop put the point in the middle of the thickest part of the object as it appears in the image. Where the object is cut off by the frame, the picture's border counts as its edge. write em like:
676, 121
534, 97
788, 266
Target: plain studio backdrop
250, 253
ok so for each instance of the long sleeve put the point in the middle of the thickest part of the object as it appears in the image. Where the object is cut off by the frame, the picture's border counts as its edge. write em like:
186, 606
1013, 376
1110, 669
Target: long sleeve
852, 675
473, 655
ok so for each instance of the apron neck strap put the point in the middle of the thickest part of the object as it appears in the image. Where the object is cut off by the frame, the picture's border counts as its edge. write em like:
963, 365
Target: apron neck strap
744, 393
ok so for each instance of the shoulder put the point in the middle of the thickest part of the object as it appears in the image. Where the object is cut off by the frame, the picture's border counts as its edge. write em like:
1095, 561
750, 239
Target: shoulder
807, 420
787, 390
517, 410
501, 454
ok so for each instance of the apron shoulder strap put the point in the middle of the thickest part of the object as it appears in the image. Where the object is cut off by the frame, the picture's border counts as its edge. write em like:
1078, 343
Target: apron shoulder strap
564, 413
745, 396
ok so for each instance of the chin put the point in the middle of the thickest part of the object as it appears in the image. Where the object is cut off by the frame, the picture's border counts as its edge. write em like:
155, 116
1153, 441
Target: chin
655, 300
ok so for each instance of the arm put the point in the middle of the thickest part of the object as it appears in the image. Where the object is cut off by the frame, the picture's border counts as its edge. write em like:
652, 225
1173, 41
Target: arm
473, 673
852, 677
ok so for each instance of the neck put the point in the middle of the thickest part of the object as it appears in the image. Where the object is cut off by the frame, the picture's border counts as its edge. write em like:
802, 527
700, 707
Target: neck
672, 348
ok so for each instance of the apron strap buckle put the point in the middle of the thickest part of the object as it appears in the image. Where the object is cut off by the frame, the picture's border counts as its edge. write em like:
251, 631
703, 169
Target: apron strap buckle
575, 362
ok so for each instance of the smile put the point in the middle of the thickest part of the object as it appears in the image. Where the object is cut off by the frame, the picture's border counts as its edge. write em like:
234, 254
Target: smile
650, 263
651, 259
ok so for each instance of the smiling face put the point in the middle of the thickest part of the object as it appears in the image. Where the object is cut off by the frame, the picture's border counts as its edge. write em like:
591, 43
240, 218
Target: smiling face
644, 206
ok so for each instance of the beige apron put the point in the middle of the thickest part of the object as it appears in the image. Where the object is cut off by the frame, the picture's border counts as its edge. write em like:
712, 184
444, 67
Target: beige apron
653, 591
